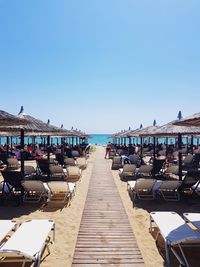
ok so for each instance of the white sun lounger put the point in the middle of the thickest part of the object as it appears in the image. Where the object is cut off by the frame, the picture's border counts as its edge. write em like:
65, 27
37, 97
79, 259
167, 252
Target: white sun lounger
176, 234
61, 191
28, 242
5, 227
193, 218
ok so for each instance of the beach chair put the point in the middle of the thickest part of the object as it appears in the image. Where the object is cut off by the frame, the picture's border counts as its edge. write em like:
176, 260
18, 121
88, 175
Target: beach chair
144, 170
69, 162
56, 172
61, 191
35, 191
142, 188
12, 164
73, 174
188, 163
6, 226
193, 218
128, 171
176, 234
12, 181
75, 154
135, 159
116, 163
169, 190
27, 243
81, 163
171, 171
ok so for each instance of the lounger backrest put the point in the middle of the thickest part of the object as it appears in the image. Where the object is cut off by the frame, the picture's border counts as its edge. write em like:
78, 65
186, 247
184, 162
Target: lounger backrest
56, 169
172, 170
73, 171
75, 154
188, 160
13, 164
145, 169
170, 185
117, 160
145, 184
129, 168
28, 170
69, 162
134, 159
58, 186
81, 161
33, 185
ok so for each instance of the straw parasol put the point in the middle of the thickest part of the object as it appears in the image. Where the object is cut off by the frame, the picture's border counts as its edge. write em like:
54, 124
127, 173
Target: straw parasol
193, 120
7, 119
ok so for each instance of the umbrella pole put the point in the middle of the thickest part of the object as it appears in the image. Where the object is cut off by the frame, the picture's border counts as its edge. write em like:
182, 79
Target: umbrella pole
7, 147
141, 143
48, 154
192, 143
180, 155
22, 150
154, 154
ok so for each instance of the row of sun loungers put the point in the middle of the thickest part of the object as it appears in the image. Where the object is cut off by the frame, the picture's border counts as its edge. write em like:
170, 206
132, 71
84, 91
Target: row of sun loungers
149, 189
27, 243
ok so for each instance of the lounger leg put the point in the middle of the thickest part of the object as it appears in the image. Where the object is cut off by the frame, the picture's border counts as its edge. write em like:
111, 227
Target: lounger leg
183, 263
167, 253
186, 262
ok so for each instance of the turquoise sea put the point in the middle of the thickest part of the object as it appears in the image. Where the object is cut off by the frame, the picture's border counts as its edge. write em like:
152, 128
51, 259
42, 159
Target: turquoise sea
95, 139
99, 139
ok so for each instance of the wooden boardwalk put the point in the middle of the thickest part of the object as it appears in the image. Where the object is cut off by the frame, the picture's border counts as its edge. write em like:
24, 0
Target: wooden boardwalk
105, 236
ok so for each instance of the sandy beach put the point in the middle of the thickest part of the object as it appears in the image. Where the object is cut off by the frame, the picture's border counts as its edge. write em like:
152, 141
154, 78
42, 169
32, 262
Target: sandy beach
68, 219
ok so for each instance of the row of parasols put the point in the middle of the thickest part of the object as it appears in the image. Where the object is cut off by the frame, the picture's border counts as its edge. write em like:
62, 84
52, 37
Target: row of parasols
26, 125
189, 126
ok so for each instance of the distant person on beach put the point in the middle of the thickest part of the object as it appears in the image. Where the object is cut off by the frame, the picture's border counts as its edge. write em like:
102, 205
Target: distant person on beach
108, 149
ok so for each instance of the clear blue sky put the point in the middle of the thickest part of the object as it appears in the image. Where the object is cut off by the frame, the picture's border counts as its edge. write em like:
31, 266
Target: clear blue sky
100, 65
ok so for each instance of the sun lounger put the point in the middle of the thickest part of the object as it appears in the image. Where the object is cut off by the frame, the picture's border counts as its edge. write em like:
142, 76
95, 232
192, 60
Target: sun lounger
176, 234
69, 162
35, 191
169, 190
128, 171
5, 227
144, 170
193, 218
143, 188
73, 174
28, 243
116, 163
81, 163
61, 191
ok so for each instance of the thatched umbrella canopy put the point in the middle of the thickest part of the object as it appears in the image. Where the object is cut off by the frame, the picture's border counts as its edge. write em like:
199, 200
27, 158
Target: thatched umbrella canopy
136, 132
193, 120
7, 119
147, 131
172, 130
